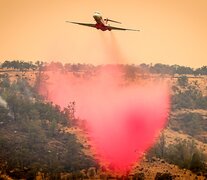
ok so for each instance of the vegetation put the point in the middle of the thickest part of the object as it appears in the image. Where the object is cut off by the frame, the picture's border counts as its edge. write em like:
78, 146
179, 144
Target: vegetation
142, 68
20, 65
183, 153
163, 176
190, 123
31, 136
188, 96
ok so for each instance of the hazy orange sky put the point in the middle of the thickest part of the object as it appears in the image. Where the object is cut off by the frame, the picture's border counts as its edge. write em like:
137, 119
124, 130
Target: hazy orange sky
172, 31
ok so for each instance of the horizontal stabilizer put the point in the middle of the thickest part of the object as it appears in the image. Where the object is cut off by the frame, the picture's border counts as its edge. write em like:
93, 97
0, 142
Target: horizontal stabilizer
112, 21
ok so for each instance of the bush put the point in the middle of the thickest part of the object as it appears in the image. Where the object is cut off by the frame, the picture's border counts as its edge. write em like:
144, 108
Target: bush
163, 176
185, 154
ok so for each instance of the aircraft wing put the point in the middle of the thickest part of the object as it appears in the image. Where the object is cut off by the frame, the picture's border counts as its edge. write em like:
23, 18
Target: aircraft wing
83, 24
123, 29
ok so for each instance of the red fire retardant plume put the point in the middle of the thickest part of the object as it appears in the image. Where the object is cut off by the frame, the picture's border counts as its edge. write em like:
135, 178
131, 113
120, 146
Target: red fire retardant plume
124, 120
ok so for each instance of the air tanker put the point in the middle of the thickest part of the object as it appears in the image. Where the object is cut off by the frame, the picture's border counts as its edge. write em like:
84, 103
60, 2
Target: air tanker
102, 24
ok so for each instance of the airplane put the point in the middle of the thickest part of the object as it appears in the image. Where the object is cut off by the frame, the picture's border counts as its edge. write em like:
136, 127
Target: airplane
102, 24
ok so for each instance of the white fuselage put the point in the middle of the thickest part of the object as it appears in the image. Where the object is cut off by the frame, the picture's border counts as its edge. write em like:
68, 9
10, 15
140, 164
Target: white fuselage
98, 18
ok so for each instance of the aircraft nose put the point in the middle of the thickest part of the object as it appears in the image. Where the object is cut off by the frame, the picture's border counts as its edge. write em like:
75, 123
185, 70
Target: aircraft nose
96, 16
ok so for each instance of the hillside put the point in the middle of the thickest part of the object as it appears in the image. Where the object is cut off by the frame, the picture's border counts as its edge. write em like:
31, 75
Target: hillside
47, 142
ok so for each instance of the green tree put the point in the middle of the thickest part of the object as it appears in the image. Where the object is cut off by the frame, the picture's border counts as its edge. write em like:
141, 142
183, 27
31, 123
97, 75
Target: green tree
183, 81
